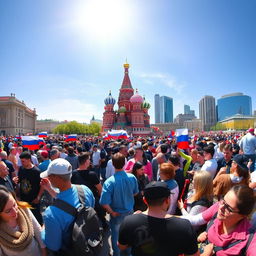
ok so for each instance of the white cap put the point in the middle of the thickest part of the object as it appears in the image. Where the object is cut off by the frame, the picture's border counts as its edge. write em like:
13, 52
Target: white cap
58, 166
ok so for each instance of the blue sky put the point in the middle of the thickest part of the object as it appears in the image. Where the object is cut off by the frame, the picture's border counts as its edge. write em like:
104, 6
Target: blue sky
62, 57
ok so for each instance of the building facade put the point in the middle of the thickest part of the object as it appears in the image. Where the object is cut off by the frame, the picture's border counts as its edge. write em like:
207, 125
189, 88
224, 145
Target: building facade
15, 117
132, 114
47, 125
188, 111
232, 104
157, 108
207, 112
181, 118
166, 109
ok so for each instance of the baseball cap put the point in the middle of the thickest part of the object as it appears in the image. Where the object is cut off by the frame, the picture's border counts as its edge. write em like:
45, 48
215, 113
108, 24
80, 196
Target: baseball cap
156, 190
251, 130
44, 154
58, 166
241, 160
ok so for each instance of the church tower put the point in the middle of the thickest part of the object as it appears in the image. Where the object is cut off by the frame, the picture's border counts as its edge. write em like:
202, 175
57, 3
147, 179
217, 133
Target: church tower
109, 114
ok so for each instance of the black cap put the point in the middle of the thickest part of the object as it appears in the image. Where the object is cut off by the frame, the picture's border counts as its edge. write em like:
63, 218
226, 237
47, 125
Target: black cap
156, 190
241, 160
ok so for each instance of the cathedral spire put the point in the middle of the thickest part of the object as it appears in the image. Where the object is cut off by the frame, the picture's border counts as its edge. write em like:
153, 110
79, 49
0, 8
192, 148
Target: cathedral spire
126, 81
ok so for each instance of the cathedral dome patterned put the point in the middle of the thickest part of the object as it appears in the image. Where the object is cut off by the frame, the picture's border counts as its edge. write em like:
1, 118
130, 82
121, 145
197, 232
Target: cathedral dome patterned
136, 98
110, 100
145, 104
122, 109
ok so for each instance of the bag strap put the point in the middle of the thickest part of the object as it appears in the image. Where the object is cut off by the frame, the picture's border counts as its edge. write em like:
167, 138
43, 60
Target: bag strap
211, 221
219, 248
68, 208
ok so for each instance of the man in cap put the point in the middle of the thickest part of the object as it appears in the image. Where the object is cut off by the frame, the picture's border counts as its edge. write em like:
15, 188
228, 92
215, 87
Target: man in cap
45, 161
154, 232
248, 147
57, 235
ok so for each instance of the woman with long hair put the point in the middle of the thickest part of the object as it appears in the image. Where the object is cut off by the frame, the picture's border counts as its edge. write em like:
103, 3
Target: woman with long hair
140, 156
201, 197
20, 233
142, 178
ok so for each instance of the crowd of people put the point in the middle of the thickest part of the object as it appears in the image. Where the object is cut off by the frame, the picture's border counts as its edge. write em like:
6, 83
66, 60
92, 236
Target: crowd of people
153, 197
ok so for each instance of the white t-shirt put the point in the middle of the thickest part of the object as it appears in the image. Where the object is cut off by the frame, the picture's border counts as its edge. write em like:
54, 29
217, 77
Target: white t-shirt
210, 166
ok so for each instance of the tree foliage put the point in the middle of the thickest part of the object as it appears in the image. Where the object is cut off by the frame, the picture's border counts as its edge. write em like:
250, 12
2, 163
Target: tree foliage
218, 127
77, 128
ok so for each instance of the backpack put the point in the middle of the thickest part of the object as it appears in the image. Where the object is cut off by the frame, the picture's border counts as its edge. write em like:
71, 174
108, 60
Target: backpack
86, 231
219, 248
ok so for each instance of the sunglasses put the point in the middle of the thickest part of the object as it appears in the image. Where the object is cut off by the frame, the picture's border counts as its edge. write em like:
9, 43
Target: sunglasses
228, 207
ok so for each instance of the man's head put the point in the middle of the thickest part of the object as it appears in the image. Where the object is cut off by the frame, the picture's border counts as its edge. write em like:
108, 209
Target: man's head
251, 130
84, 159
157, 193
3, 155
123, 150
13, 151
95, 147
54, 154
3, 170
118, 161
227, 151
208, 152
25, 158
59, 171
44, 154
164, 148
70, 150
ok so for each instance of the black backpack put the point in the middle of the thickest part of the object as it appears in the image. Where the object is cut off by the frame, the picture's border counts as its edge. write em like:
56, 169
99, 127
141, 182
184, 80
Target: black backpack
87, 233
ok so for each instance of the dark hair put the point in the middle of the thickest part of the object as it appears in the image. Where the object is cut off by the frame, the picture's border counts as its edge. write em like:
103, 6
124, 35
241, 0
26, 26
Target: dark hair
118, 160
174, 160
4, 197
209, 149
164, 148
25, 155
156, 202
70, 150
83, 157
228, 147
136, 167
79, 149
245, 199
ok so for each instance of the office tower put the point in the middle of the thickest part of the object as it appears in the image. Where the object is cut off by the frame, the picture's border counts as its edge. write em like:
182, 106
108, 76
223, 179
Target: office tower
188, 111
157, 108
232, 104
207, 112
166, 109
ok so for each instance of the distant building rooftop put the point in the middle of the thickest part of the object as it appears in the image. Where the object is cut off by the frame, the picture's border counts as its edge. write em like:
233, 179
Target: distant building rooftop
232, 94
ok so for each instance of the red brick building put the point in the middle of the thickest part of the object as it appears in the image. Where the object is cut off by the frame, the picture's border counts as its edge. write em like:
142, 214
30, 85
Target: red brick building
132, 114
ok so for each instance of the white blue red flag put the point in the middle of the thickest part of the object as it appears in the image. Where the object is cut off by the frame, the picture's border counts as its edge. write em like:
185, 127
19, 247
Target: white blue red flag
182, 138
116, 134
42, 135
71, 137
30, 142
172, 134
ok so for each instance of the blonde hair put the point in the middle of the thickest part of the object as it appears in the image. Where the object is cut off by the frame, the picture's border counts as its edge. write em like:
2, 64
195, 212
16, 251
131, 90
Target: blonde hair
203, 185
168, 170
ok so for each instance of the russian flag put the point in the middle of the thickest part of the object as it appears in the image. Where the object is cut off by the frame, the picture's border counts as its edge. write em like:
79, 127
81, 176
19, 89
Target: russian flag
30, 142
41, 141
117, 134
172, 134
71, 137
182, 138
42, 134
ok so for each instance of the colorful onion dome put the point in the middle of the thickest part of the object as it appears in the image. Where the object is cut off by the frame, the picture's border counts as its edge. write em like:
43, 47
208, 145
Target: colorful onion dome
122, 109
110, 100
136, 98
145, 104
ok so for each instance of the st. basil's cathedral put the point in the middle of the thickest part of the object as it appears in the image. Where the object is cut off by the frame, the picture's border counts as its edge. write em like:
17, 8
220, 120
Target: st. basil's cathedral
132, 114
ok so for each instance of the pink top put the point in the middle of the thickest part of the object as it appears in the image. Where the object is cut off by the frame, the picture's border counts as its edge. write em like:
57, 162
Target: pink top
240, 233
147, 168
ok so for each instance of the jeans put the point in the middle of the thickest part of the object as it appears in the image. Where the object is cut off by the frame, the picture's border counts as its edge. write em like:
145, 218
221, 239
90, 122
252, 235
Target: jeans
115, 223
103, 174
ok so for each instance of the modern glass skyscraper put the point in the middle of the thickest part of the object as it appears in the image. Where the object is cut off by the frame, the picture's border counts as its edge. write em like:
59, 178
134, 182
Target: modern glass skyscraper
166, 109
163, 109
157, 108
207, 112
232, 104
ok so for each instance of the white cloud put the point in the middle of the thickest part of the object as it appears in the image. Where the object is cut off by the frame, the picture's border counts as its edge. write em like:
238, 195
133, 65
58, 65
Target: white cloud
69, 109
165, 79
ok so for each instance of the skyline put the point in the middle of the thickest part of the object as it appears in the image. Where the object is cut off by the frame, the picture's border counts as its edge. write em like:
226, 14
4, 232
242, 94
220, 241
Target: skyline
63, 57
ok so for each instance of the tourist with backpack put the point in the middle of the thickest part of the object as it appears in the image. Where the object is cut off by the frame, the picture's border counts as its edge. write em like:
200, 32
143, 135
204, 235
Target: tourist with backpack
59, 218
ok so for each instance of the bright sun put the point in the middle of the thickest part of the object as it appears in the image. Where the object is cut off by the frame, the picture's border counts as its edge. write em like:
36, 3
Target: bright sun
103, 19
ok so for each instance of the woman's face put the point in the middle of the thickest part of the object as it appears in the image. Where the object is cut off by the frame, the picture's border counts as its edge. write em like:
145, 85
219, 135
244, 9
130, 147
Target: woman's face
140, 171
228, 210
10, 211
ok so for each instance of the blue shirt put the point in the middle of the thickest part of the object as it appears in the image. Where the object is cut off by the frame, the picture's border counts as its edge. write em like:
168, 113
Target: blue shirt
44, 165
118, 192
56, 234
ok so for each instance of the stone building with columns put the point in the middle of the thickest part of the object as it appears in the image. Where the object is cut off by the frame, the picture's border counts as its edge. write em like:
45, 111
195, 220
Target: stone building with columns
15, 117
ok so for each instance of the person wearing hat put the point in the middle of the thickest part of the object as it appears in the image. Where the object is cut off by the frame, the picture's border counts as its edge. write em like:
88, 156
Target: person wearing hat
248, 147
154, 232
46, 161
56, 234
239, 174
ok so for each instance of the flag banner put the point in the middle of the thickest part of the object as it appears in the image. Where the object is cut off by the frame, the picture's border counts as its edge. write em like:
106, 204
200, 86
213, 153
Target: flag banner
42, 135
30, 142
116, 134
182, 138
172, 134
71, 137
41, 141
18, 137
